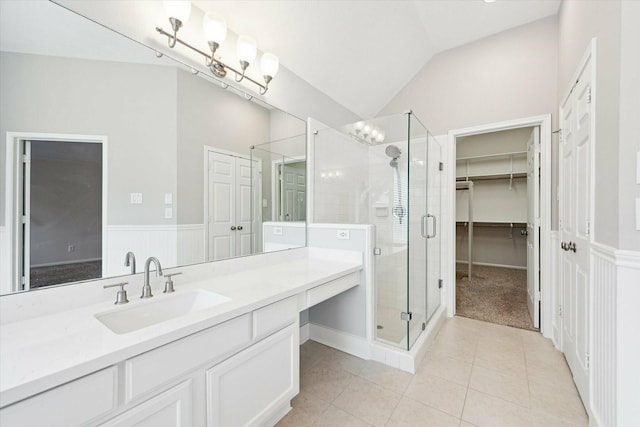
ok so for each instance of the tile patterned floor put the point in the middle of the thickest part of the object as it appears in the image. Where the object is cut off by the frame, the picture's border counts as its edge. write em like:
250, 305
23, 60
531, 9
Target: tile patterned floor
474, 374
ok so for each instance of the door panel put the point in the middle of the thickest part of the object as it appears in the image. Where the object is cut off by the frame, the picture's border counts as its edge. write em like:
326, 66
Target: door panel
533, 227
575, 215
221, 202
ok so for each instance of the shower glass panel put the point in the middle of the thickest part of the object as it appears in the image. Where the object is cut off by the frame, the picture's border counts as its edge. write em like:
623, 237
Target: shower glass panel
378, 172
433, 224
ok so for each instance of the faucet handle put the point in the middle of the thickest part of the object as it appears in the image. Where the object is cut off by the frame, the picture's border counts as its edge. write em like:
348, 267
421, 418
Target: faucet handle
121, 296
168, 285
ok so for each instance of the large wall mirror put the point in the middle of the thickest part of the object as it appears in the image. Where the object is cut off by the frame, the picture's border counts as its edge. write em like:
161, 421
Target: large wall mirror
108, 149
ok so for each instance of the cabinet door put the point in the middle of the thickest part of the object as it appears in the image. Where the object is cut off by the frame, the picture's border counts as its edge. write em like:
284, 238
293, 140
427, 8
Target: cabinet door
250, 388
172, 408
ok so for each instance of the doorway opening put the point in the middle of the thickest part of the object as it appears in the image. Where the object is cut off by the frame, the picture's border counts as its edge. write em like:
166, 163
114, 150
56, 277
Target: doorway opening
501, 204
56, 187
497, 227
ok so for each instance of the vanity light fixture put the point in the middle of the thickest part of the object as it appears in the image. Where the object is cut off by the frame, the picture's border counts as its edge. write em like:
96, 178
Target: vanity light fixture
366, 133
214, 27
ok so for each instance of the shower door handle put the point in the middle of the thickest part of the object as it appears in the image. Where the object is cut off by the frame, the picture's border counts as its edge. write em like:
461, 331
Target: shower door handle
423, 220
435, 226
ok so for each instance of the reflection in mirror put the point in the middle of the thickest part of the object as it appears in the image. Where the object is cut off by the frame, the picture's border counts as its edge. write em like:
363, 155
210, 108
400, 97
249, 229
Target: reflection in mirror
108, 149
283, 192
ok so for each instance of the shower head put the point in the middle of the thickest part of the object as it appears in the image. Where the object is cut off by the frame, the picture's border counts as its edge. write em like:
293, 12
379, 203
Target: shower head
392, 151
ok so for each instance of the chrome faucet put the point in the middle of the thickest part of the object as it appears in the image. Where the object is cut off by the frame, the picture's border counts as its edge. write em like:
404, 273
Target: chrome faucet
130, 260
146, 289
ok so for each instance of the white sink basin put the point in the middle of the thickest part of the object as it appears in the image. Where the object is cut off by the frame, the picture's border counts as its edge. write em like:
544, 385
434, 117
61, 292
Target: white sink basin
140, 314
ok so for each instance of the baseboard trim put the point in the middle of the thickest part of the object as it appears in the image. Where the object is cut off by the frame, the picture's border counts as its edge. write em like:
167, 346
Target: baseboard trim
343, 341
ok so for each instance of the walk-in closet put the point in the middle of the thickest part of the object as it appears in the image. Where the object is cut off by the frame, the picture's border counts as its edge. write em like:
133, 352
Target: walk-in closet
497, 199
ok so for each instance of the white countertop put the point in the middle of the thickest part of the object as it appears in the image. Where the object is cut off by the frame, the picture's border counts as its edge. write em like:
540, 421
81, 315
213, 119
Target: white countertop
42, 352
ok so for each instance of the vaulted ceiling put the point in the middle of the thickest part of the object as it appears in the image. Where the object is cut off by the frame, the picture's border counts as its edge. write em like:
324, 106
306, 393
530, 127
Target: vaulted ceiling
361, 53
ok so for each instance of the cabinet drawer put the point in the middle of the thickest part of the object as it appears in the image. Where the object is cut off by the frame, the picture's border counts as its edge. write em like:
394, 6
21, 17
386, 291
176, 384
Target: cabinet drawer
173, 408
330, 289
71, 404
274, 316
150, 370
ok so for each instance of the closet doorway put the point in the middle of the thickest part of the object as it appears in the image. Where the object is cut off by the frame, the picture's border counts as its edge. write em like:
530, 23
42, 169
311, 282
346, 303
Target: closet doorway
501, 212
56, 185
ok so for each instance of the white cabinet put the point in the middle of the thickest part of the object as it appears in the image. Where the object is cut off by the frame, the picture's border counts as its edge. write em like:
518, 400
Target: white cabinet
254, 387
172, 408
75, 403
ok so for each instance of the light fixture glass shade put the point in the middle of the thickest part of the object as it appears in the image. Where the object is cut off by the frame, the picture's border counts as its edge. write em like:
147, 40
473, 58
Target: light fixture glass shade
214, 27
178, 9
380, 136
269, 64
367, 128
246, 48
358, 126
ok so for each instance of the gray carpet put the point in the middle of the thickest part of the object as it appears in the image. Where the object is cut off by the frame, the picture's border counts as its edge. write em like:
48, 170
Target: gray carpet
65, 273
496, 295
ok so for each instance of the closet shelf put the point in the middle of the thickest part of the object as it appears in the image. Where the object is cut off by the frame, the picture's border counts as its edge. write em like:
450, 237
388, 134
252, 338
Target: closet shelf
497, 156
491, 176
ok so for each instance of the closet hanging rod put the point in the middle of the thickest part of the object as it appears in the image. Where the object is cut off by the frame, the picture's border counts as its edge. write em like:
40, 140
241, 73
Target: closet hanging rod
494, 224
492, 177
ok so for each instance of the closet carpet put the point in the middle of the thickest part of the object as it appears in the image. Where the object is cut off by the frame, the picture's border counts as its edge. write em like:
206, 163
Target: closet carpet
496, 295
65, 273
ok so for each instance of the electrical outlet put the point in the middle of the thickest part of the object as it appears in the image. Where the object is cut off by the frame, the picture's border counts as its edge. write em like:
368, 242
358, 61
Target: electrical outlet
343, 235
71, 248
168, 199
136, 198
277, 231
168, 213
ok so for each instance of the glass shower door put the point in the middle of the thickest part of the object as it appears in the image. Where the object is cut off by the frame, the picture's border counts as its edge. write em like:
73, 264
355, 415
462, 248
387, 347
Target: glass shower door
417, 232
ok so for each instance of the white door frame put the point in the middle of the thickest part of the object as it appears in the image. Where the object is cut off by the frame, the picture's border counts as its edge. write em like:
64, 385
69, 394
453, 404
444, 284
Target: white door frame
12, 215
448, 226
207, 150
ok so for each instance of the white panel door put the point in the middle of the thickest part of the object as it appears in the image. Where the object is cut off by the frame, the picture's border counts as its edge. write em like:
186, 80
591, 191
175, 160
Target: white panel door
243, 207
575, 210
293, 192
221, 206
533, 226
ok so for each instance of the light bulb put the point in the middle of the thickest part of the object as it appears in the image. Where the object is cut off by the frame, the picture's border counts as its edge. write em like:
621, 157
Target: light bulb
214, 27
269, 64
178, 9
374, 132
367, 129
246, 49
358, 126
380, 136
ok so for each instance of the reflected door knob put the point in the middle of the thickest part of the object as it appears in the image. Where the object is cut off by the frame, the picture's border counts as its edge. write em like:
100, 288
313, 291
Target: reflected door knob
239, 227
233, 228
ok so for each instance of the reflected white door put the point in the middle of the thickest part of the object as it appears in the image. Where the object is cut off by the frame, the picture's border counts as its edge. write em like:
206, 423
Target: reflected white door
222, 206
533, 226
293, 191
230, 231
575, 205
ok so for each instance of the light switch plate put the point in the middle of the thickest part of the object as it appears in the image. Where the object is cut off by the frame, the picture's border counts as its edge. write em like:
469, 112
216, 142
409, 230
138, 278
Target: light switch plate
168, 213
637, 213
136, 198
168, 198
638, 167
265, 203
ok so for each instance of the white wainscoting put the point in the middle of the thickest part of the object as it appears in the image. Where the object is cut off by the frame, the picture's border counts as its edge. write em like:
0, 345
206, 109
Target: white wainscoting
5, 261
615, 372
191, 243
171, 244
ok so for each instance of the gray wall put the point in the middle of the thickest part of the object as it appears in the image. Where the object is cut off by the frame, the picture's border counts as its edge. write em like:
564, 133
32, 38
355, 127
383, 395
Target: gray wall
506, 76
210, 115
128, 103
66, 202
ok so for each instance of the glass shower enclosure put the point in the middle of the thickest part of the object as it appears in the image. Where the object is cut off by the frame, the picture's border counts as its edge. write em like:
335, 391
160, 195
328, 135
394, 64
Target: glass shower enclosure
386, 172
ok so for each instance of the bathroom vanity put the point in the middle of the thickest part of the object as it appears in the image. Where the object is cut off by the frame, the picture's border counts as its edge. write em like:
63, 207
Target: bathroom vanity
227, 357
